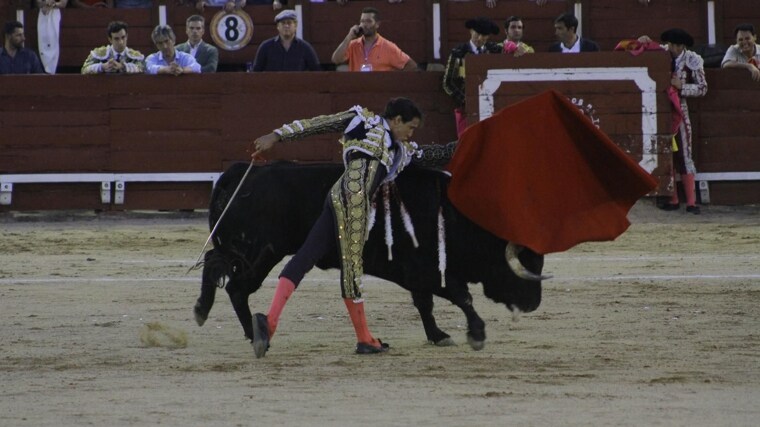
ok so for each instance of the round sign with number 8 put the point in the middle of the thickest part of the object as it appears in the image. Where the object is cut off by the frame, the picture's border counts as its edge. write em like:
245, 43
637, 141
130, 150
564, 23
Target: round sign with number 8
231, 31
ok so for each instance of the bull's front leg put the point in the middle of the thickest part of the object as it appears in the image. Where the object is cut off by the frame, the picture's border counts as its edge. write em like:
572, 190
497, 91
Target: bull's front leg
204, 303
458, 293
424, 303
213, 272
239, 298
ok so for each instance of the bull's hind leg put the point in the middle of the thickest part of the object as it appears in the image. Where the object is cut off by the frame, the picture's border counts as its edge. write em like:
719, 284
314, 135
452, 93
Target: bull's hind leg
424, 303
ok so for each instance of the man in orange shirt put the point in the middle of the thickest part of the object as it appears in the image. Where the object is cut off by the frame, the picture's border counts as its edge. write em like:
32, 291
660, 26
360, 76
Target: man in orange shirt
366, 50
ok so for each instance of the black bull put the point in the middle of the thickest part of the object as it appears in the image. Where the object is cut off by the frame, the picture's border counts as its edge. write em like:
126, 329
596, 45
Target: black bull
277, 205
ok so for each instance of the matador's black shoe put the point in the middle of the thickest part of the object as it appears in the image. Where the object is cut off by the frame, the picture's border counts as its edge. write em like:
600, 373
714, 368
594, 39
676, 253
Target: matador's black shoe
364, 348
260, 335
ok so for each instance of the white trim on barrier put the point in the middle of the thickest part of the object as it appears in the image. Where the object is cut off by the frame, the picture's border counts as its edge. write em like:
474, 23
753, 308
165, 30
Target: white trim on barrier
639, 75
105, 179
7, 181
121, 179
703, 179
727, 176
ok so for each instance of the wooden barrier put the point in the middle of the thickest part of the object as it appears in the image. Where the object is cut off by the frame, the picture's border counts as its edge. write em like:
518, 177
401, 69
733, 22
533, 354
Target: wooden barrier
192, 127
726, 137
192, 124
730, 13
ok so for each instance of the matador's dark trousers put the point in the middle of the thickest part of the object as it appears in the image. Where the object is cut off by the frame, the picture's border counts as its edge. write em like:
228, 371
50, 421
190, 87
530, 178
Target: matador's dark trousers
323, 237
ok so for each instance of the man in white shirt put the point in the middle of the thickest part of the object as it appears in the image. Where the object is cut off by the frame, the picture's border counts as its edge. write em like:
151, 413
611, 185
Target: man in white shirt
745, 53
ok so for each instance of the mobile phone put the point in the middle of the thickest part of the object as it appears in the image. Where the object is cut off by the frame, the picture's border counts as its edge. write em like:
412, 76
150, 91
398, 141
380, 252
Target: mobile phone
359, 31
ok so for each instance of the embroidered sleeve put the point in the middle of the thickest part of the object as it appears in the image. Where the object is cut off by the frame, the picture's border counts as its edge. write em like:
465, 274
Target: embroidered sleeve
315, 126
697, 86
95, 60
91, 65
434, 155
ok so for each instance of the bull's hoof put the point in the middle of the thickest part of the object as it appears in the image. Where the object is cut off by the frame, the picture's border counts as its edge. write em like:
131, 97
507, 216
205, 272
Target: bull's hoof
445, 342
260, 335
476, 345
200, 316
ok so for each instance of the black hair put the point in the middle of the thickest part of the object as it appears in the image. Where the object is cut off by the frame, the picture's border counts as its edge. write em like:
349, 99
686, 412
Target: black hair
569, 20
11, 26
116, 26
403, 107
510, 20
744, 27
373, 11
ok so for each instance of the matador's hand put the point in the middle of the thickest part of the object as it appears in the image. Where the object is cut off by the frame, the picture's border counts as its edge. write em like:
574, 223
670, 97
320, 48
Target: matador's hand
265, 142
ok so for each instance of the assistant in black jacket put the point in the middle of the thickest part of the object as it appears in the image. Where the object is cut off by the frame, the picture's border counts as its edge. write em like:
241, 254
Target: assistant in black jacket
565, 27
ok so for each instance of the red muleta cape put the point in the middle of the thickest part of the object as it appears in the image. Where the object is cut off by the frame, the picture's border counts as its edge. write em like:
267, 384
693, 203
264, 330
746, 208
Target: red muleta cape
540, 174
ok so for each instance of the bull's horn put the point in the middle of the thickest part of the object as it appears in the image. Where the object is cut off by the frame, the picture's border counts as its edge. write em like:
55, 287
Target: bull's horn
514, 263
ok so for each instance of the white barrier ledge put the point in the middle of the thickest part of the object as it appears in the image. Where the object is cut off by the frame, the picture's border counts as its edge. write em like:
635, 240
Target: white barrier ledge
121, 179
105, 179
7, 181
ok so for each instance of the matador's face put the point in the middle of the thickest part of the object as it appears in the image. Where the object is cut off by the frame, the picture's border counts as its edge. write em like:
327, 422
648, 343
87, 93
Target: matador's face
403, 131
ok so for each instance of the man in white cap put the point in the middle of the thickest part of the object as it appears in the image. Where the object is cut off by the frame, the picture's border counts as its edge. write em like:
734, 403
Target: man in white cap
286, 52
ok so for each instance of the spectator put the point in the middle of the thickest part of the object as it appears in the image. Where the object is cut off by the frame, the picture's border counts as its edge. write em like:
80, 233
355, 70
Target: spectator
205, 54
14, 57
366, 50
286, 52
513, 44
453, 78
342, 2
168, 60
565, 27
88, 4
688, 80
115, 57
745, 53
46, 6
133, 4
48, 32
228, 5
276, 4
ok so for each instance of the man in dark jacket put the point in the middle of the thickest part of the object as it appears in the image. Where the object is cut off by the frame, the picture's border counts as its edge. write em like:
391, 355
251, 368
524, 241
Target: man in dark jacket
565, 28
453, 78
14, 57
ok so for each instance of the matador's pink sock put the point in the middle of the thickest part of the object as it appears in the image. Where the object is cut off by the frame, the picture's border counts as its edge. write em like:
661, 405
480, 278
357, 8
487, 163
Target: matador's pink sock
285, 288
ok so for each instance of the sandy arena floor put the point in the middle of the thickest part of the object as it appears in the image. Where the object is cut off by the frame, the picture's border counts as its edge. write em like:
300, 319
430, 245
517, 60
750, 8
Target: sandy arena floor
659, 328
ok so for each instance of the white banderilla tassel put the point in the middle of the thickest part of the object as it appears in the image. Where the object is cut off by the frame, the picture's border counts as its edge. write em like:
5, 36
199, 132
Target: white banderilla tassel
371, 218
388, 228
408, 223
441, 247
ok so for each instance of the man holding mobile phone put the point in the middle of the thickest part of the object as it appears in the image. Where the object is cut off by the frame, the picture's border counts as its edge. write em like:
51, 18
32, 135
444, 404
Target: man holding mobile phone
366, 50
